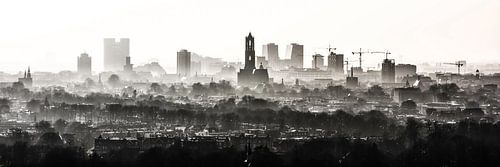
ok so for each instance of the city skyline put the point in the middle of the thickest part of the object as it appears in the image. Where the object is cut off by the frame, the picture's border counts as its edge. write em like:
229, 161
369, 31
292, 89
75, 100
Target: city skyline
285, 83
418, 32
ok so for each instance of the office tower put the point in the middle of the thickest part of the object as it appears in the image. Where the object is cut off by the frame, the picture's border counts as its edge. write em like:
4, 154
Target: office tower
331, 62
26, 79
336, 63
403, 70
184, 63
249, 76
296, 54
84, 64
128, 67
318, 61
388, 71
270, 51
115, 53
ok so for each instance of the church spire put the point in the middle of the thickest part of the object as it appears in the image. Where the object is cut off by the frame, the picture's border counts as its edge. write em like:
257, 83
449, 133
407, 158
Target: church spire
29, 73
249, 52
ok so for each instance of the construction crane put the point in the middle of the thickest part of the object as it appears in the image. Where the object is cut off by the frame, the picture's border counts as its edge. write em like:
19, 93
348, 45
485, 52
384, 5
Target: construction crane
386, 53
347, 63
360, 55
329, 48
458, 64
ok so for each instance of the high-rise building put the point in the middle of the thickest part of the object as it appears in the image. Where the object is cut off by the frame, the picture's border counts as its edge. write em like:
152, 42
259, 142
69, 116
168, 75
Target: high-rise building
84, 64
115, 53
128, 67
184, 63
331, 62
318, 61
296, 54
388, 71
338, 63
250, 76
270, 51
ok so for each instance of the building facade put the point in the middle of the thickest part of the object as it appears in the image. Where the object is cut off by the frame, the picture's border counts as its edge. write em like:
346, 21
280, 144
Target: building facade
115, 53
296, 54
388, 71
318, 61
270, 51
128, 67
403, 70
84, 64
184, 63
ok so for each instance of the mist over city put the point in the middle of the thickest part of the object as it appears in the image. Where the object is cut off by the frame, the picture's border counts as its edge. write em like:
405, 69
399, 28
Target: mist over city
250, 83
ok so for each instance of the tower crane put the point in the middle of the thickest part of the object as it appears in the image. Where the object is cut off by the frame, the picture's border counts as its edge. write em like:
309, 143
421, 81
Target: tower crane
347, 63
458, 64
386, 53
329, 48
360, 55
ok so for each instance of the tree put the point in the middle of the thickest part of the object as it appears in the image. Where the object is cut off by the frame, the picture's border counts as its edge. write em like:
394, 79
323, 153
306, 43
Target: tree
5, 105
43, 127
33, 105
155, 88
304, 92
412, 132
408, 106
60, 125
114, 80
50, 139
198, 89
376, 91
172, 90
89, 82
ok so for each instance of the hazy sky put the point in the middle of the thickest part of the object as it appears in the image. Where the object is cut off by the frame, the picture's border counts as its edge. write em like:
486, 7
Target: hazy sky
50, 34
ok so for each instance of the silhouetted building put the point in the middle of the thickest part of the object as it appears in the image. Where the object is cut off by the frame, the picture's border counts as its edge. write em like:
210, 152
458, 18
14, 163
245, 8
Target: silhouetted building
403, 70
115, 53
357, 70
270, 51
184, 63
351, 81
388, 71
249, 75
84, 66
128, 67
407, 93
336, 63
318, 61
296, 54
26, 79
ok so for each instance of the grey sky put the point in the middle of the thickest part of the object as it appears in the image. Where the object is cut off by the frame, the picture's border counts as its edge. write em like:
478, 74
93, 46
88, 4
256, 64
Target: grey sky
50, 34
